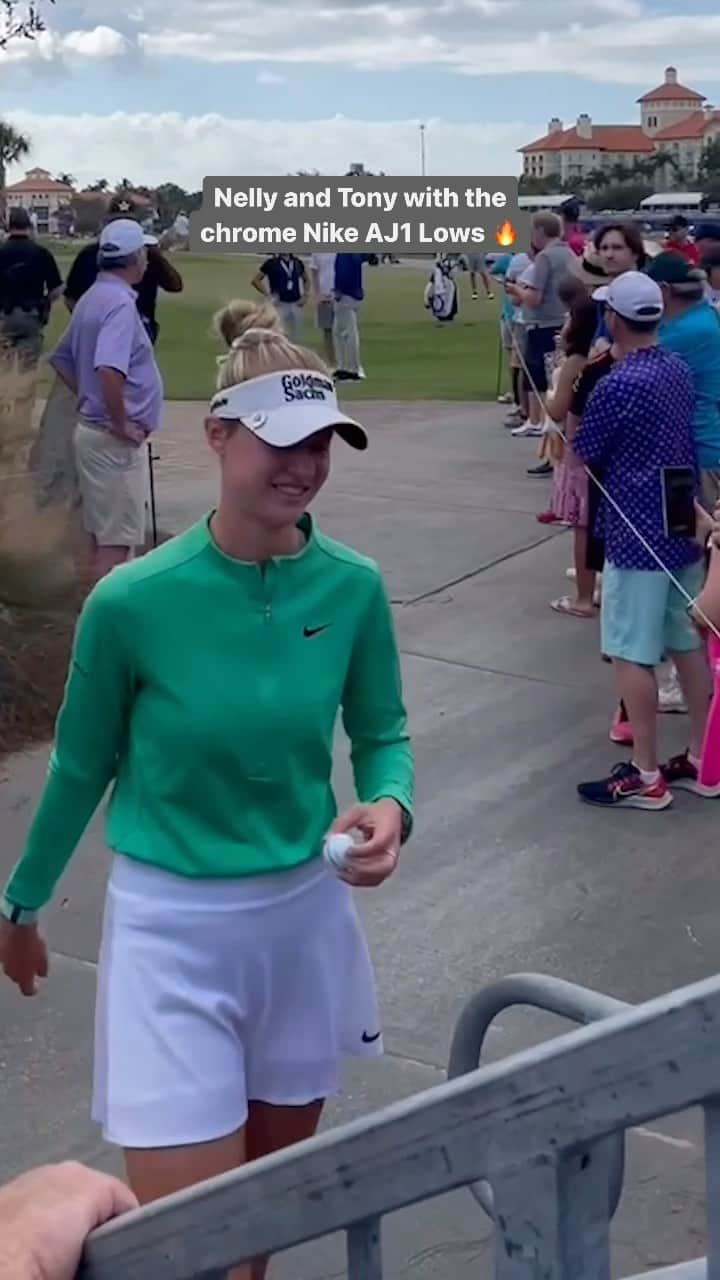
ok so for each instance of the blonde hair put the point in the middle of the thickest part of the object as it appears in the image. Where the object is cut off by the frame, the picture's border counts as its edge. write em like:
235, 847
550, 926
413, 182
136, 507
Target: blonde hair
257, 345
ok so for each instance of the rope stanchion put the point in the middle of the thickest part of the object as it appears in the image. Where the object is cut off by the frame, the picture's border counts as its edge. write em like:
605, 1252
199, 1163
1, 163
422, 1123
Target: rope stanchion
152, 458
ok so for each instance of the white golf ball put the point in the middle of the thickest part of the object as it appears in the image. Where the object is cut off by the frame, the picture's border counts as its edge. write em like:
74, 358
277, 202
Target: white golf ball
337, 849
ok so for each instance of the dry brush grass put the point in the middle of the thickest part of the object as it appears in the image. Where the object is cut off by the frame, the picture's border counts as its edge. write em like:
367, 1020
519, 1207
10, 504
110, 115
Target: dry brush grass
39, 597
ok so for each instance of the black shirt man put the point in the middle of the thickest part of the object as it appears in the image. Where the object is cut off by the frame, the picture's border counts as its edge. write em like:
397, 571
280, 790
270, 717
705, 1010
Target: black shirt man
158, 275
282, 277
29, 284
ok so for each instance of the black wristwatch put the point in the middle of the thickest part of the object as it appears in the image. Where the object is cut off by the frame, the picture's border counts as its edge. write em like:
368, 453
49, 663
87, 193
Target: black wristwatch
17, 915
407, 825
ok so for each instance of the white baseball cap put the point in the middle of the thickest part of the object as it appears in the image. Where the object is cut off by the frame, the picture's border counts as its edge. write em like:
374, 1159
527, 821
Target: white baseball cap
634, 296
283, 409
120, 239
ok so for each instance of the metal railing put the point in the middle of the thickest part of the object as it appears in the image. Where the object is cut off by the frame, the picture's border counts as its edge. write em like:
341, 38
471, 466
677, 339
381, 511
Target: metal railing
543, 1128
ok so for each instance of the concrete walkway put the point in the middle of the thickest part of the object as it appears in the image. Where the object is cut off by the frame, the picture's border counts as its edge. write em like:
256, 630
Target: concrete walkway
509, 708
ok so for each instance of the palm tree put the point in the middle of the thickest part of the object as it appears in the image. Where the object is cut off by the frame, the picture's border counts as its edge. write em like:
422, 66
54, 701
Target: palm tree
67, 178
13, 146
100, 185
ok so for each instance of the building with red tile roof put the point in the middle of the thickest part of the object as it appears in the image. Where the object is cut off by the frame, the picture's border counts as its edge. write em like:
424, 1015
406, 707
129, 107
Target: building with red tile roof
42, 195
674, 121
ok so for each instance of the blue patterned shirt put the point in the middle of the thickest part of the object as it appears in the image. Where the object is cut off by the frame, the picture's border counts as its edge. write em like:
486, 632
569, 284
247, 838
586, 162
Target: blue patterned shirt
639, 420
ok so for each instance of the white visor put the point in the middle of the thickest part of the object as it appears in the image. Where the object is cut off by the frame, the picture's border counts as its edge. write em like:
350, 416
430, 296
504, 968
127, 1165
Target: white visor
282, 409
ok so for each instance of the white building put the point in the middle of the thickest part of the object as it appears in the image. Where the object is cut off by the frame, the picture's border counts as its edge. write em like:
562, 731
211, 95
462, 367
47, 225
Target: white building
41, 195
674, 120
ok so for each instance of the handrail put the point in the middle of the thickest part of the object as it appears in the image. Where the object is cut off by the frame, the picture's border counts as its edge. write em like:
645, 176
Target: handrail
533, 1125
552, 995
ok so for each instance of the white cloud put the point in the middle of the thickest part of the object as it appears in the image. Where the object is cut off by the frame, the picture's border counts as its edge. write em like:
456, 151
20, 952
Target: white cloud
611, 41
102, 42
269, 78
615, 41
94, 43
185, 149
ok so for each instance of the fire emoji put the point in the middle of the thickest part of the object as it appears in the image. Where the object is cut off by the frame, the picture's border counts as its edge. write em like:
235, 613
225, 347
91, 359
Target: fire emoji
506, 235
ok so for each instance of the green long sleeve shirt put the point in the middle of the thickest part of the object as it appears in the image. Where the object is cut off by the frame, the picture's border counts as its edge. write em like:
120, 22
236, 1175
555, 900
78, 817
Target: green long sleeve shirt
206, 691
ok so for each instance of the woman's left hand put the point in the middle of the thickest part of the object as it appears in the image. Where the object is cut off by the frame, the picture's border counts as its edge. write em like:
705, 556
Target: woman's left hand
371, 862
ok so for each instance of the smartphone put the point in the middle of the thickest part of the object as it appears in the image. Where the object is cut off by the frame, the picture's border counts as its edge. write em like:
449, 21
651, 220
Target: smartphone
678, 491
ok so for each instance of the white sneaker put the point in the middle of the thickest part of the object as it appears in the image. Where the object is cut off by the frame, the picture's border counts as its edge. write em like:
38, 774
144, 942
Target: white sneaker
526, 429
506, 399
671, 699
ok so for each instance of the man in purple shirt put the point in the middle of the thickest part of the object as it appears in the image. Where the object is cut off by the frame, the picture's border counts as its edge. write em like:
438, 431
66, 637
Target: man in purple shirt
106, 358
638, 428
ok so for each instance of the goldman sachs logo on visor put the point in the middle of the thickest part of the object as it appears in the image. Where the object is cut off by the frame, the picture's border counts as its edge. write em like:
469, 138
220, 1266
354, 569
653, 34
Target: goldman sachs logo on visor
306, 386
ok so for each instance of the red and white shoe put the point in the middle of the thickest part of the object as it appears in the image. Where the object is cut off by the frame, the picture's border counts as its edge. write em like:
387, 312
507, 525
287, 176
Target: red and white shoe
681, 774
621, 731
624, 787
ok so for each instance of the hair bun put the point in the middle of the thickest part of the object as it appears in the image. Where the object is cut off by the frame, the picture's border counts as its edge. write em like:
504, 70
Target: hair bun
241, 317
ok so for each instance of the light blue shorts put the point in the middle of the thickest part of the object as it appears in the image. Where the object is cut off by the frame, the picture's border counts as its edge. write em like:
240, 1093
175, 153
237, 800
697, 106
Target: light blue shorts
644, 616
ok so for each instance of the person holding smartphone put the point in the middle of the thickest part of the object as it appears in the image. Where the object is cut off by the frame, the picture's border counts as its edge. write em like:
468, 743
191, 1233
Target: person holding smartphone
638, 427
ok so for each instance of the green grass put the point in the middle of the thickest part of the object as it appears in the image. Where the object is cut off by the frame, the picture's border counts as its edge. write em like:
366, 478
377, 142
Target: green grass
406, 356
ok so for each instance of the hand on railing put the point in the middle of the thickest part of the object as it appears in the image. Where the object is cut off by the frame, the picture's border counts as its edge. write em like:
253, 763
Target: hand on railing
46, 1216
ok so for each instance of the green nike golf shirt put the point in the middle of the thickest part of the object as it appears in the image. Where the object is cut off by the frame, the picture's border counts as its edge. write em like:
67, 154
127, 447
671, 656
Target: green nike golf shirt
206, 691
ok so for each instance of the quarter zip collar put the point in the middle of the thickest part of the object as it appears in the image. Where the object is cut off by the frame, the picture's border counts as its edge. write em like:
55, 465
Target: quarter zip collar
254, 568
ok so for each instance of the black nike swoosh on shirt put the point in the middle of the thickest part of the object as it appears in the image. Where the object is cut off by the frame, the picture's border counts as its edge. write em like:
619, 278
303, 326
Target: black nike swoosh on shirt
370, 1039
315, 631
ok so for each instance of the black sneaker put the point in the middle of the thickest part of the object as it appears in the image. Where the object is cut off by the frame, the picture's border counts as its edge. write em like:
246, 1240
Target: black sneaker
543, 469
681, 773
625, 787
342, 375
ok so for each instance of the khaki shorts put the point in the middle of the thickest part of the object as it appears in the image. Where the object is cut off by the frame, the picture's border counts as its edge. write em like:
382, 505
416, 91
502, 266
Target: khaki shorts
325, 316
113, 479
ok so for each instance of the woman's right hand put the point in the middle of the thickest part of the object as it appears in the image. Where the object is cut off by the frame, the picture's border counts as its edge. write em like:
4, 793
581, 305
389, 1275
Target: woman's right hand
23, 955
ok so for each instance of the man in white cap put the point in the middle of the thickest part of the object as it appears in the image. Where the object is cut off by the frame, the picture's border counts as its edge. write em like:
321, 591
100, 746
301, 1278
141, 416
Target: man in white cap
638, 428
106, 358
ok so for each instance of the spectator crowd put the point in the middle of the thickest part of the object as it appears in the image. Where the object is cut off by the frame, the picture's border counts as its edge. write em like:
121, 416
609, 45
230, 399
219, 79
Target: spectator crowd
614, 348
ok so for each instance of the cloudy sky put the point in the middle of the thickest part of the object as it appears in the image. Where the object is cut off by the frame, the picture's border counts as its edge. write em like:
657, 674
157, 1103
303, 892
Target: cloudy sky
178, 91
